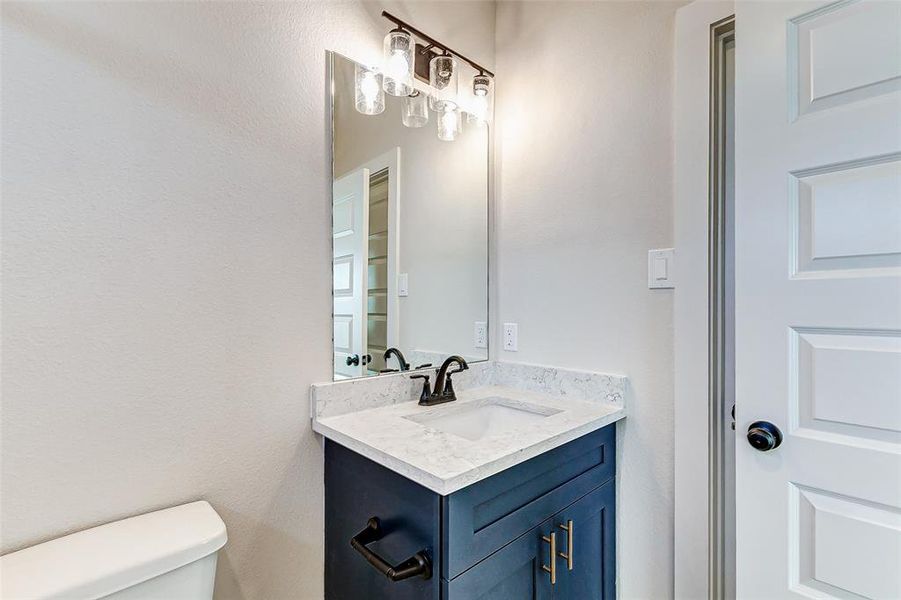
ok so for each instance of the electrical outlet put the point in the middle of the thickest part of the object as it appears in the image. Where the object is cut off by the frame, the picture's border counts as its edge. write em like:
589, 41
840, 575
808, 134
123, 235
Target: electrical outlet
511, 336
481, 334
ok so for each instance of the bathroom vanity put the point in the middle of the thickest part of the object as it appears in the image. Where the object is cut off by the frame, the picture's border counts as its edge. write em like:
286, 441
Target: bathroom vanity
500, 485
507, 492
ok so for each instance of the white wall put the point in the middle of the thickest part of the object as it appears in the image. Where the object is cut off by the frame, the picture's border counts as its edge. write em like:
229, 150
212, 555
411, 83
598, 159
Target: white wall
443, 219
584, 190
166, 265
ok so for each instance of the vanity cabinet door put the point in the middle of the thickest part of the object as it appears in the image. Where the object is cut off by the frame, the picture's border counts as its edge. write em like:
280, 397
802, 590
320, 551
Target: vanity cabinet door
512, 573
593, 573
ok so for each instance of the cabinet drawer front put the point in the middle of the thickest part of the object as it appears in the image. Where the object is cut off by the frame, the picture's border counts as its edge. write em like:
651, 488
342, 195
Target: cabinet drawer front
481, 518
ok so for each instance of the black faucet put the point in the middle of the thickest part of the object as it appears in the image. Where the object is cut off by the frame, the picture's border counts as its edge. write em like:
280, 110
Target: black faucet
404, 365
444, 387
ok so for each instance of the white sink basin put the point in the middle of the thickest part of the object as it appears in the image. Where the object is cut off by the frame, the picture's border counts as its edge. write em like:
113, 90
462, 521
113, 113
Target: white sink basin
483, 418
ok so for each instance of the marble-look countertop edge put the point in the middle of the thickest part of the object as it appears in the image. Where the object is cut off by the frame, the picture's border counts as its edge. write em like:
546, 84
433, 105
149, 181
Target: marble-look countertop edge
445, 487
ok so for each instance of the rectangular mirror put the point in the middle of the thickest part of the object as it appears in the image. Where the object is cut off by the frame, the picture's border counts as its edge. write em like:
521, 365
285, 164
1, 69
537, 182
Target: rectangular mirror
410, 234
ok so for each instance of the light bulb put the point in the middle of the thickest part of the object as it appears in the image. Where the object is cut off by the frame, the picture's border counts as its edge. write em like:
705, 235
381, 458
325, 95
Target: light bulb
482, 98
448, 124
478, 113
369, 99
397, 55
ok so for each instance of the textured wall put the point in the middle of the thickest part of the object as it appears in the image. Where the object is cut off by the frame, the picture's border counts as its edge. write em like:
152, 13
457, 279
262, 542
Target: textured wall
585, 189
166, 269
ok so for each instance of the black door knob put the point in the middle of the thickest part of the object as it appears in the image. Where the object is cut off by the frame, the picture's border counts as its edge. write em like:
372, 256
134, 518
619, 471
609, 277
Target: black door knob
353, 360
764, 436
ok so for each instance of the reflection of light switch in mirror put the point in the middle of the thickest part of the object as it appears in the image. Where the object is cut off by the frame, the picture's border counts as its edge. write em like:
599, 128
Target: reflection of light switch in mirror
660, 268
481, 334
403, 285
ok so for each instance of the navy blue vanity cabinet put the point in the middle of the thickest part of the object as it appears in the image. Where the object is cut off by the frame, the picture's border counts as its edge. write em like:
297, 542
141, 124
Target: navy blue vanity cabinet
488, 540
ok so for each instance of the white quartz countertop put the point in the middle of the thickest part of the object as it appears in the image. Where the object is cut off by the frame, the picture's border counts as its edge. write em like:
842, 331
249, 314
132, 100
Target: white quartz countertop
444, 462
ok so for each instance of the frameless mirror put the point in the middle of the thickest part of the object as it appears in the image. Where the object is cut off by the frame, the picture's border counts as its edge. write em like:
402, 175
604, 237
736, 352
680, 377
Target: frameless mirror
410, 231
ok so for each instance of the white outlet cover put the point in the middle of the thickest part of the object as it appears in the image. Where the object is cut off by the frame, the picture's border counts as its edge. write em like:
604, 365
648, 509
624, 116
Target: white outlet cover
511, 337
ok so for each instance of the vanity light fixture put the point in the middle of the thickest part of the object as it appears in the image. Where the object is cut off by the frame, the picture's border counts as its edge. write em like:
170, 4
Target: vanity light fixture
369, 97
403, 60
399, 57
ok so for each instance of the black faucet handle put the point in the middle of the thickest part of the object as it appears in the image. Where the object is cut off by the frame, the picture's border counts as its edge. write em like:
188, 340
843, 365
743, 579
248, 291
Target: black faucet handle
449, 386
426, 387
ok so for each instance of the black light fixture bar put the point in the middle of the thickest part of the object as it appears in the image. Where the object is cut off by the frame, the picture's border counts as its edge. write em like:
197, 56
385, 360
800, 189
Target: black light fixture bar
433, 42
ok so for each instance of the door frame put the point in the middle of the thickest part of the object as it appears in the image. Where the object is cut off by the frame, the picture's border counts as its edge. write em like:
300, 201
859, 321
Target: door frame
697, 529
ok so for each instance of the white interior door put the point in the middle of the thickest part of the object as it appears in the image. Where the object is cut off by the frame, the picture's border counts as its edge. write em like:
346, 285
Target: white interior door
818, 298
350, 231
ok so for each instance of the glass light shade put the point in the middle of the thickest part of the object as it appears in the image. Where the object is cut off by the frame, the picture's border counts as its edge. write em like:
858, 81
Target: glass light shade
450, 124
444, 78
482, 103
399, 59
369, 98
415, 109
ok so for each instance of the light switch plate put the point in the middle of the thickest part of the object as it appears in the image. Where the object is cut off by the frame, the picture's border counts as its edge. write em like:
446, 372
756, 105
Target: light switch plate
511, 336
481, 334
661, 263
403, 285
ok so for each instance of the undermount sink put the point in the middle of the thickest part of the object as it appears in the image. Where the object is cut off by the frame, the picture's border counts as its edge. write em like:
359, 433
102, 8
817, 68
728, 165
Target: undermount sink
484, 418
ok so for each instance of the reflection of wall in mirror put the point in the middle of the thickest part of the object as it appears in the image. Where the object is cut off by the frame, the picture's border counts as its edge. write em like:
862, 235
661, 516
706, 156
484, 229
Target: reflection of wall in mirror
443, 218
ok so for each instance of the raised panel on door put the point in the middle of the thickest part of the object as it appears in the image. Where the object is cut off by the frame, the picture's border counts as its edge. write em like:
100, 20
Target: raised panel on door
846, 547
593, 547
512, 573
843, 52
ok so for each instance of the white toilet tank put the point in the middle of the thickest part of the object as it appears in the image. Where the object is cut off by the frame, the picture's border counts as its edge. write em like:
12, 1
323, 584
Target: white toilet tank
169, 554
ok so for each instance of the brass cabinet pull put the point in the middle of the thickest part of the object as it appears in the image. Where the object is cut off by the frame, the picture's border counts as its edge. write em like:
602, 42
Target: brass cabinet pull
552, 540
568, 555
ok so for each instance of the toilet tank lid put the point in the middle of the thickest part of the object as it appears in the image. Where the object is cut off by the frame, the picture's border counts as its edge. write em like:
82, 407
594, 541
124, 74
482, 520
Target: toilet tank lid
102, 560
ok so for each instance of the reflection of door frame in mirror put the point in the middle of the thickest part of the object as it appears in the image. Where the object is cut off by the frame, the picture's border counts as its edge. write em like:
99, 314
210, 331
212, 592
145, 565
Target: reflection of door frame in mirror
390, 161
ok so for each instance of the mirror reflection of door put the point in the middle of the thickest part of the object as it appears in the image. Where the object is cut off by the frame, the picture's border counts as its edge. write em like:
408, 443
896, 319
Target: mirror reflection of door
365, 318
350, 232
